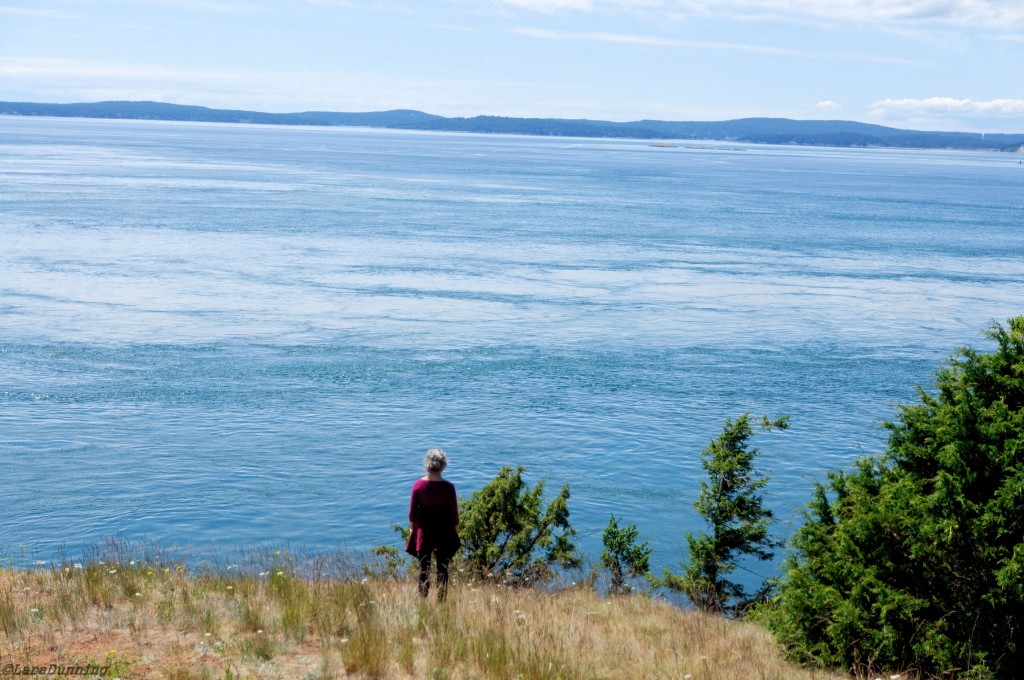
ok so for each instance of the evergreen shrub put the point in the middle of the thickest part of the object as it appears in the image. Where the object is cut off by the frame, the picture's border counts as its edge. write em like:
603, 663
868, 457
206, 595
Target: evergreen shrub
914, 559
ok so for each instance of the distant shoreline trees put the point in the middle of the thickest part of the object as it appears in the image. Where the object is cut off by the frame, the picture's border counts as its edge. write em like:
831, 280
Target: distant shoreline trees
832, 133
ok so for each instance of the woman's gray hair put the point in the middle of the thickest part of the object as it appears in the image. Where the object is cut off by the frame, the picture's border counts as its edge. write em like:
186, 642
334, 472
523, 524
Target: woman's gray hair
435, 460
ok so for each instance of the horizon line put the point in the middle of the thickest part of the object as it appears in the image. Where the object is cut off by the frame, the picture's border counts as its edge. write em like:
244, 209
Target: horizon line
438, 117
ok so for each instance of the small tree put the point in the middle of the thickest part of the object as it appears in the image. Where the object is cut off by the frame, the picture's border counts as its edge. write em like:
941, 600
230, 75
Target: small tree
507, 532
915, 558
622, 556
731, 502
388, 561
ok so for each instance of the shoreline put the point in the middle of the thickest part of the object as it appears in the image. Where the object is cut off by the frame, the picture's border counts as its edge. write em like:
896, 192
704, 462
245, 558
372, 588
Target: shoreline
678, 145
837, 134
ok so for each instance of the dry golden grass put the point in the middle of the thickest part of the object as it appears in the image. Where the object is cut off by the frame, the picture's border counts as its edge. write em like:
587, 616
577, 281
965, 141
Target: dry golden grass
156, 621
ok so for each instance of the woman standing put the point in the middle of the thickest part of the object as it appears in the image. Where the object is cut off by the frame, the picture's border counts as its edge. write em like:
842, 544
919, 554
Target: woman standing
434, 519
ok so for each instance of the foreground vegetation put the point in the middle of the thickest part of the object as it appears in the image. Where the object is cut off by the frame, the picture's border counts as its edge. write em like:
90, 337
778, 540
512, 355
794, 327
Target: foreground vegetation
913, 559
156, 620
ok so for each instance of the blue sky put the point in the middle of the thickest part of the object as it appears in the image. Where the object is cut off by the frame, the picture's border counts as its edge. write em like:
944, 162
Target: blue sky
924, 64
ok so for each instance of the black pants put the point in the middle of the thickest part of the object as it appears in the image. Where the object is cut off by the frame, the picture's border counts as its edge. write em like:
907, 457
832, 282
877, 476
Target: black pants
442, 574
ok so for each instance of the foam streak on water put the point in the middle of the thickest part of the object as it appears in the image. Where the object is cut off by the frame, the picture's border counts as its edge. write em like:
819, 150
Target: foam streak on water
222, 335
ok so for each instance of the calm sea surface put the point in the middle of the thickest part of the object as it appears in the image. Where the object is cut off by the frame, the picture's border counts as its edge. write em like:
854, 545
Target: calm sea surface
223, 336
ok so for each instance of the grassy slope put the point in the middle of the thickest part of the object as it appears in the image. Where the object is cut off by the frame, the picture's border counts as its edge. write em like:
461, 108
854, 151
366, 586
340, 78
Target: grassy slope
165, 622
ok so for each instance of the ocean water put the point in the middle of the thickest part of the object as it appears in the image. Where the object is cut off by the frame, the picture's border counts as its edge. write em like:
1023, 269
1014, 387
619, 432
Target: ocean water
224, 336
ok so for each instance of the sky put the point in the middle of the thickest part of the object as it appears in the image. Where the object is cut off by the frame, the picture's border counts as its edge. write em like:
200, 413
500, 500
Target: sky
920, 64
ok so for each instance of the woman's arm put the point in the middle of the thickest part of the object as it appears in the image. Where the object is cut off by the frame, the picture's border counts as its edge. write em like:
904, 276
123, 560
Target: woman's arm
453, 506
412, 506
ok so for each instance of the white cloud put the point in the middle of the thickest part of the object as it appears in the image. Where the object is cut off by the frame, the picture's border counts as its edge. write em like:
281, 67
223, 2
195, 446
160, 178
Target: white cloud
959, 12
659, 41
625, 38
828, 105
38, 13
947, 106
551, 5
28, 68
454, 28
212, 6
992, 12
66, 81
947, 113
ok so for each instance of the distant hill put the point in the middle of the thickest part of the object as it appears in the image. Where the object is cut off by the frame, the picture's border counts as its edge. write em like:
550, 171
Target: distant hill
840, 133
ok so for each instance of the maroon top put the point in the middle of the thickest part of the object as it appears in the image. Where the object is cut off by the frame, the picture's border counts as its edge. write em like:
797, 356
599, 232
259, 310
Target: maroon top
434, 514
